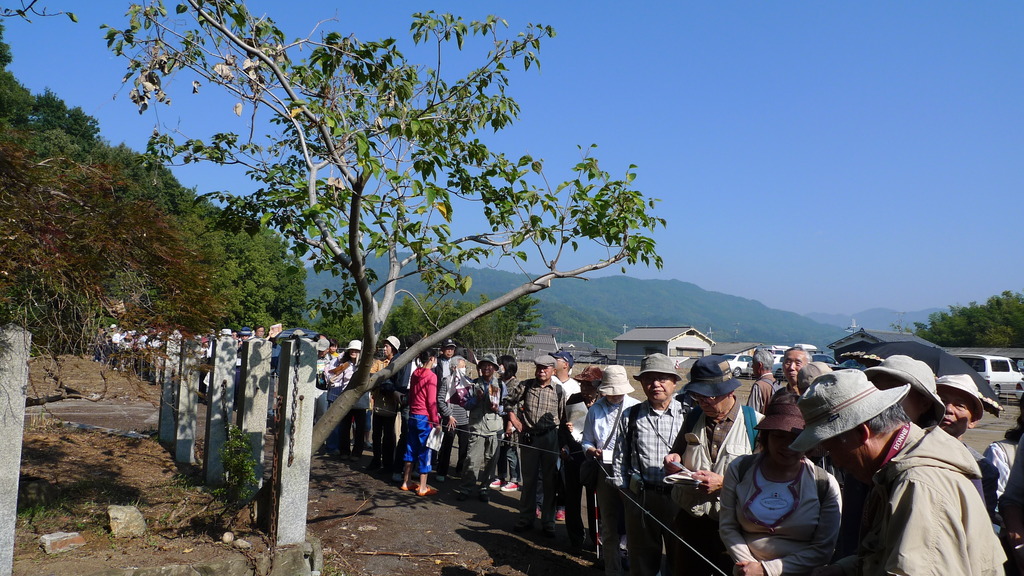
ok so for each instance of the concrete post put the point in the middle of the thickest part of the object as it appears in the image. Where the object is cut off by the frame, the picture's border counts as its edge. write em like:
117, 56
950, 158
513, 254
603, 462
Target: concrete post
219, 405
15, 343
294, 438
255, 382
169, 389
187, 413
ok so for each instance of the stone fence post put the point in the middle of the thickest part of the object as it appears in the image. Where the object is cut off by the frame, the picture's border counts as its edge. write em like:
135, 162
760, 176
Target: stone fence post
187, 413
14, 350
255, 382
220, 398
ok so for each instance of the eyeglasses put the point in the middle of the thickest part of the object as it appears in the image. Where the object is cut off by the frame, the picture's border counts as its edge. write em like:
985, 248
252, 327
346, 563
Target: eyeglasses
702, 399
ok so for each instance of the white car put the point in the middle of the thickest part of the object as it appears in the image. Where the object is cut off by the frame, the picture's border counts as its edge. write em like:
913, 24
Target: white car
1000, 372
740, 364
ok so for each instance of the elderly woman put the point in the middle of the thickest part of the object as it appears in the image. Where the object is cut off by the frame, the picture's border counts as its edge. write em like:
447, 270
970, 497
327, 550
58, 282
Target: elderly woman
780, 512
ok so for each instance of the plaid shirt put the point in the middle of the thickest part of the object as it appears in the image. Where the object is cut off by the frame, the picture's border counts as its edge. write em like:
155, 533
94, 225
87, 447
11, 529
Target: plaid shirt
645, 452
539, 407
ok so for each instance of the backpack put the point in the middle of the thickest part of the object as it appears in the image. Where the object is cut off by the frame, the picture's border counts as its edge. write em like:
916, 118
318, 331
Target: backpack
743, 464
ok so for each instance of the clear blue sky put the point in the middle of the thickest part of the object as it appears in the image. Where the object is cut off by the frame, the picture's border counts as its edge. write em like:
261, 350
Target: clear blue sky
817, 157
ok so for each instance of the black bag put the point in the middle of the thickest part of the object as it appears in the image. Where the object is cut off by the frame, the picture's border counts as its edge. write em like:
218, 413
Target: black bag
321, 382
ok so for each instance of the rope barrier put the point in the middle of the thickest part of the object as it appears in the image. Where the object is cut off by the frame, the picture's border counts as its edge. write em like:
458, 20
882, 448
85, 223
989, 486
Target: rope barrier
628, 495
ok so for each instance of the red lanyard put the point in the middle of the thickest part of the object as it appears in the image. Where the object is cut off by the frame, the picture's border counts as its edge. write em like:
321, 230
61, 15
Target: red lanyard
897, 444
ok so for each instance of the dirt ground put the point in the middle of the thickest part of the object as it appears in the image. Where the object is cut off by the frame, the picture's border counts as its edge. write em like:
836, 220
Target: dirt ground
366, 525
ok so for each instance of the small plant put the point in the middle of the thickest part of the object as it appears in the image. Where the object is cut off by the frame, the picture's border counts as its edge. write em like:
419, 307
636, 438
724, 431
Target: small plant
239, 467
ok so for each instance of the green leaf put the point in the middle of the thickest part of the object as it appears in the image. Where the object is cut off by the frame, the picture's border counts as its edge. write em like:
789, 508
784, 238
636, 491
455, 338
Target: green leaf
72, 17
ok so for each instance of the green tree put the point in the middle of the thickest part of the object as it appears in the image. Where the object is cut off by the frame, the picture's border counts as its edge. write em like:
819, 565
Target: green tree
999, 322
367, 153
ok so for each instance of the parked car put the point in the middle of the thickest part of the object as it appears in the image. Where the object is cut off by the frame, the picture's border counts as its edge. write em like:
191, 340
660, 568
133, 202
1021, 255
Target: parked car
1000, 372
740, 364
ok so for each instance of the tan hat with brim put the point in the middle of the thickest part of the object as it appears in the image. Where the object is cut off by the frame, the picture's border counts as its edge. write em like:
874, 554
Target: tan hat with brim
909, 371
841, 401
965, 384
615, 381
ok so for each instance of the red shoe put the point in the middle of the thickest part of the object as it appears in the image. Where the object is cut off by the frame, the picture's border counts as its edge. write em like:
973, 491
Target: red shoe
409, 488
560, 514
430, 491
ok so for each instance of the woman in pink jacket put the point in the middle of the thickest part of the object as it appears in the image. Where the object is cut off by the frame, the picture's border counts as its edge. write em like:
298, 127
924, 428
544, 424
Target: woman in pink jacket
422, 418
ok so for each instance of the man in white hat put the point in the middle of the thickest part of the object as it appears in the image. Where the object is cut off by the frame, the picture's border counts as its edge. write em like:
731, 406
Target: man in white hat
600, 434
386, 408
923, 515
646, 433
963, 411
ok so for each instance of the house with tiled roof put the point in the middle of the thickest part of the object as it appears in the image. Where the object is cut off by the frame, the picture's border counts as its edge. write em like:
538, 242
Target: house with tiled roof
677, 342
862, 338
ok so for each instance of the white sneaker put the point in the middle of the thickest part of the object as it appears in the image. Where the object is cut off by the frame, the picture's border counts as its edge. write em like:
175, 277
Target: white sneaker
510, 487
495, 485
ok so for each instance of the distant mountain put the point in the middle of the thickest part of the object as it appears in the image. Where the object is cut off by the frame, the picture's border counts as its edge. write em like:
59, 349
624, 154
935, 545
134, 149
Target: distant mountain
875, 318
597, 309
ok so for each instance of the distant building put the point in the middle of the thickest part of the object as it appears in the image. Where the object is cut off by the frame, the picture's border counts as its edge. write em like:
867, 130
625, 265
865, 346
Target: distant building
535, 345
679, 343
586, 353
861, 339
741, 348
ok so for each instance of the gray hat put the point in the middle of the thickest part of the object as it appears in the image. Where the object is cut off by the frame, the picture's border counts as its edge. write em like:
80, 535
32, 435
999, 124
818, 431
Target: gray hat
808, 373
489, 359
544, 360
615, 381
906, 370
657, 363
841, 401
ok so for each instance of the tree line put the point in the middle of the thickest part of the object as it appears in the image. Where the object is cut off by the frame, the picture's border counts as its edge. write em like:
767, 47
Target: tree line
998, 322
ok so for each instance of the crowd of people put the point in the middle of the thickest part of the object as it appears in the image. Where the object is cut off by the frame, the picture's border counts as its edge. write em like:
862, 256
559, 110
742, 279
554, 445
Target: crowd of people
824, 473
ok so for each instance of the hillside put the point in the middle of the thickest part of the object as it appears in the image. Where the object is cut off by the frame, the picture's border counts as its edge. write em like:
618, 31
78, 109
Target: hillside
598, 308
874, 318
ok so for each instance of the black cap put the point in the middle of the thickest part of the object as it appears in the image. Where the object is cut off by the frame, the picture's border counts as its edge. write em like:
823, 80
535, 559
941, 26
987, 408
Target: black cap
448, 342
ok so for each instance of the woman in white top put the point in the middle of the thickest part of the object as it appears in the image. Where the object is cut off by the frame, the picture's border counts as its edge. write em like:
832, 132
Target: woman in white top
599, 438
780, 513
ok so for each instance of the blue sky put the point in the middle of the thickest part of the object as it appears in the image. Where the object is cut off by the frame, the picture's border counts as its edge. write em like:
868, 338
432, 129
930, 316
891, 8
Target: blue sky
817, 157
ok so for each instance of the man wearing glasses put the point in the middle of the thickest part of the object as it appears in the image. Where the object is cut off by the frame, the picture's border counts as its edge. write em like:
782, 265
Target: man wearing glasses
717, 431
646, 433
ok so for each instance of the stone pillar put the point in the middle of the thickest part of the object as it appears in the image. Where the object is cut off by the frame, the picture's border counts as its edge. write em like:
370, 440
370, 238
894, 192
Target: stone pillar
168, 378
294, 439
14, 349
255, 381
187, 412
219, 405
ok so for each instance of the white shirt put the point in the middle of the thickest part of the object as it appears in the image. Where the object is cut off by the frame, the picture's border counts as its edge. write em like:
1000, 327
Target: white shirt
601, 422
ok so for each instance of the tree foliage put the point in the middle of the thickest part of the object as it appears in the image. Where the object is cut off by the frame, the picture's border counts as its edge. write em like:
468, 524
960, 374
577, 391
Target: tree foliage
999, 322
365, 152
94, 233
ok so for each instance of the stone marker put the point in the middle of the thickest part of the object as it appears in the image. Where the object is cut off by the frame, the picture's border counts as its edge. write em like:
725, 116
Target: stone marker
255, 382
126, 522
219, 405
15, 343
169, 389
187, 412
294, 439
60, 542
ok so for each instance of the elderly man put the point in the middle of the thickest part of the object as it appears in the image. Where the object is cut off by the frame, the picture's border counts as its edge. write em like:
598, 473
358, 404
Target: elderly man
536, 409
963, 411
792, 361
923, 515
716, 432
765, 384
485, 425
924, 407
646, 432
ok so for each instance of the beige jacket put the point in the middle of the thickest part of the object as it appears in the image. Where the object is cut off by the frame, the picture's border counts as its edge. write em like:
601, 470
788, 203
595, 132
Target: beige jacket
698, 457
924, 516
